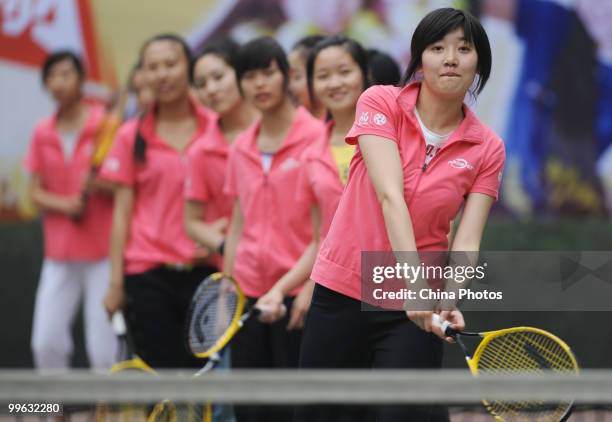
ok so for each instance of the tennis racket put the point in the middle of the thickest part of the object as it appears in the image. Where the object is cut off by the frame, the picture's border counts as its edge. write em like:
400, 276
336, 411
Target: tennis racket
127, 361
107, 130
104, 139
512, 351
164, 411
168, 411
127, 357
218, 310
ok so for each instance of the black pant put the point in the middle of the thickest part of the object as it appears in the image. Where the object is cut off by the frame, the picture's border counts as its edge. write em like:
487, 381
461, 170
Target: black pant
339, 334
260, 345
156, 311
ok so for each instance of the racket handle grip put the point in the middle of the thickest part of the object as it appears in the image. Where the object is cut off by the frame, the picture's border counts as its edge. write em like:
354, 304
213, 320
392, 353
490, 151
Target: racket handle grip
118, 321
264, 309
445, 326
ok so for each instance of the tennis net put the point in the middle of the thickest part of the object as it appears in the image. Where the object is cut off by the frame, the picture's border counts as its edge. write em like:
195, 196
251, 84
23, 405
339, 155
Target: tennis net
136, 395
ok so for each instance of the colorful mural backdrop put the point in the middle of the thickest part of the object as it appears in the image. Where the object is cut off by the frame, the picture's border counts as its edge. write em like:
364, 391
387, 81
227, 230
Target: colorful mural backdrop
549, 97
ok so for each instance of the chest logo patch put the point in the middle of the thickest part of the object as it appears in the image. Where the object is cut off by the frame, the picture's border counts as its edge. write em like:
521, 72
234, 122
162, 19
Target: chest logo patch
460, 163
112, 164
289, 164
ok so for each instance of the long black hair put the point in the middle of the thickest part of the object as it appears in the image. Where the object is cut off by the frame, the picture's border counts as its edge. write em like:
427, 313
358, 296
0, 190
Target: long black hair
384, 70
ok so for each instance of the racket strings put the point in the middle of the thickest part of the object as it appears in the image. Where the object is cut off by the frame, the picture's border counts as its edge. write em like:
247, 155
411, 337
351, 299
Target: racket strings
525, 352
125, 412
191, 412
212, 311
168, 411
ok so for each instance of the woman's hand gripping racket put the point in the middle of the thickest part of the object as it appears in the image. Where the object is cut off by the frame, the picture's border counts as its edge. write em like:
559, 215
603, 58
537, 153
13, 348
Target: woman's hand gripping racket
218, 311
513, 351
127, 357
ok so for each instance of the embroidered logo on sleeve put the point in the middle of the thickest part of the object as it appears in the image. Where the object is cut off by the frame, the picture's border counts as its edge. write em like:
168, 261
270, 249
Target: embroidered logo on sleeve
380, 119
460, 163
364, 118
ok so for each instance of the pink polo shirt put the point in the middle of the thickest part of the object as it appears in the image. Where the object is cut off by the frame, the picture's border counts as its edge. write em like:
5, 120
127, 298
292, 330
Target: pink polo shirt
277, 226
206, 171
472, 160
68, 239
157, 235
323, 183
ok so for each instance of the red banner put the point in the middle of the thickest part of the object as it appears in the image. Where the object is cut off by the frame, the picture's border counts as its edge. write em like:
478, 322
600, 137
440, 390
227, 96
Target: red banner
30, 29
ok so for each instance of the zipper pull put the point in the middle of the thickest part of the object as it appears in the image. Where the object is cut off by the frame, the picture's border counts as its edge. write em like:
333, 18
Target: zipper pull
424, 167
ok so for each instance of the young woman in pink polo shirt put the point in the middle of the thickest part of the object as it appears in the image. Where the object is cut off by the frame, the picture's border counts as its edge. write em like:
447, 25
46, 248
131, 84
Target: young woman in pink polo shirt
337, 69
154, 271
298, 81
76, 236
337, 74
421, 156
207, 209
269, 246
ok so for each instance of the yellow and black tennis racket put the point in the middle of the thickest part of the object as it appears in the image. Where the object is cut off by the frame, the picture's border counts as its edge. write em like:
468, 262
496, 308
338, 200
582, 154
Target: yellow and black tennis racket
105, 135
104, 139
127, 362
215, 315
518, 350
168, 411
218, 311
163, 411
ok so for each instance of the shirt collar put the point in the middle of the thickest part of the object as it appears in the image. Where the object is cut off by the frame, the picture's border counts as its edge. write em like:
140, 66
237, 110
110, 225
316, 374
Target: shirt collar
470, 129
92, 123
301, 120
213, 140
203, 117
